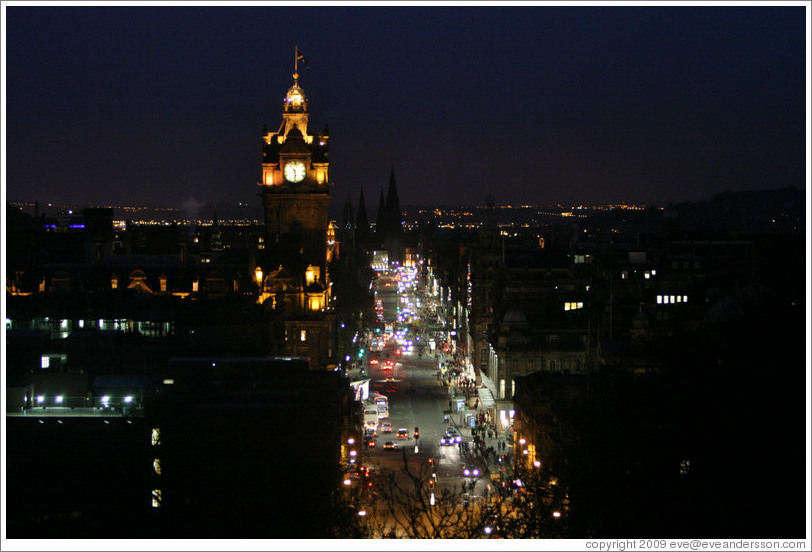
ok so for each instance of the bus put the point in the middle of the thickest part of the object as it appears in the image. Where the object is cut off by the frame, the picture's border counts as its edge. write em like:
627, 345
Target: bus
370, 417
381, 404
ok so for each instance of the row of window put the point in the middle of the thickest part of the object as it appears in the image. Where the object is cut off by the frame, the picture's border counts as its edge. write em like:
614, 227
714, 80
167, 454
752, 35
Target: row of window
670, 299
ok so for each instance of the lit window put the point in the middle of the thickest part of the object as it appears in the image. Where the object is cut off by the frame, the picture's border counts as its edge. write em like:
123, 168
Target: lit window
303, 335
672, 299
684, 298
156, 465
156, 498
46, 362
195, 285
659, 299
156, 436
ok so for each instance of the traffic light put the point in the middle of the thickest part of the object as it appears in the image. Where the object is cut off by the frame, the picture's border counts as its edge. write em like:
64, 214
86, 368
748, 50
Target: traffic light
431, 483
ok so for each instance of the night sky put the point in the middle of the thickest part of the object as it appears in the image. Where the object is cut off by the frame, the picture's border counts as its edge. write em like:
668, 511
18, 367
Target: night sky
533, 104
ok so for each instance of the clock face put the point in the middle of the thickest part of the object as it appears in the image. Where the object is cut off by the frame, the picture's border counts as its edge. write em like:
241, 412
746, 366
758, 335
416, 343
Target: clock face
295, 171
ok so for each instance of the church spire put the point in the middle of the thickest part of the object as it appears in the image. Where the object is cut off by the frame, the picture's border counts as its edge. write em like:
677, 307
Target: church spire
361, 221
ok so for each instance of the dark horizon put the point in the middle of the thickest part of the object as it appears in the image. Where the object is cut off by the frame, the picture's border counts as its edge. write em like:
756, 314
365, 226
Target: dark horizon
565, 105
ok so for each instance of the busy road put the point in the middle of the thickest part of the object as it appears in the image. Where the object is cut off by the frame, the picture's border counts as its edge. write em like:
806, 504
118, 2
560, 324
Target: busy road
406, 372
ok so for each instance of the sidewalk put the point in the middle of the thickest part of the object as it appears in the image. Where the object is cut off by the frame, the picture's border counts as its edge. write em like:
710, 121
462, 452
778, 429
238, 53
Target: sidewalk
475, 453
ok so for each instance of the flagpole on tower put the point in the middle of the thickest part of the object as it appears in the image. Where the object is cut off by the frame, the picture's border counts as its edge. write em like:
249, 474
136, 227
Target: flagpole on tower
298, 56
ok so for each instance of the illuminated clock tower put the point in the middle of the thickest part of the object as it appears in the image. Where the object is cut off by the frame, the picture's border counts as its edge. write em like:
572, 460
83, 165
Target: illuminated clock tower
295, 189
295, 192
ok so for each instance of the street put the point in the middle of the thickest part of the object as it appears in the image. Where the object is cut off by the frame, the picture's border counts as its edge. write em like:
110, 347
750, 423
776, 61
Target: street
417, 399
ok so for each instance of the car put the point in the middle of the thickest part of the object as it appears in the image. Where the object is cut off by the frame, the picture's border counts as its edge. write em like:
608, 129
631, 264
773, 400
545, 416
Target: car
373, 361
470, 471
403, 433
371, 443
386, 427
388, 365
451, 430
389, 445
447, 440
370, 432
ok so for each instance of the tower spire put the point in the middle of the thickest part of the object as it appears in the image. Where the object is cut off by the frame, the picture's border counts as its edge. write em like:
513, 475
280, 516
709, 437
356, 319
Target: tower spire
298, 56
361, 221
